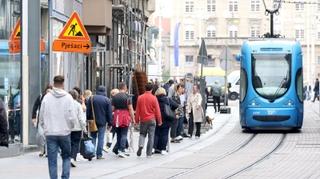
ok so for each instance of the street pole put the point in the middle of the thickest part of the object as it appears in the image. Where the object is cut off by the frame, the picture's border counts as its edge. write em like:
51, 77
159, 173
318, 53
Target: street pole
225, 77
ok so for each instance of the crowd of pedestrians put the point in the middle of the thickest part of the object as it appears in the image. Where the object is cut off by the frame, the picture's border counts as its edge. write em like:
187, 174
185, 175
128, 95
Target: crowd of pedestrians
163, 114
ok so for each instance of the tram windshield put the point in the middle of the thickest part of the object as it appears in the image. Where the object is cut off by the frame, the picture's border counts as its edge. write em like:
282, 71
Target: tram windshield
271, 74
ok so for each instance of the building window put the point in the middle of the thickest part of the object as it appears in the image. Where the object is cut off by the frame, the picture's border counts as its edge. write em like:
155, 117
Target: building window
189, 6
299, 6
211, 31
318, 60
255, 5
189, 58
233, 31
299, 33
254, 31
233, 5
211, 5
189, 35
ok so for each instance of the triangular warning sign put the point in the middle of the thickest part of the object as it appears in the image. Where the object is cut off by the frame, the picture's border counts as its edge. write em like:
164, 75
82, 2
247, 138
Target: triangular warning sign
74, 29
16, 33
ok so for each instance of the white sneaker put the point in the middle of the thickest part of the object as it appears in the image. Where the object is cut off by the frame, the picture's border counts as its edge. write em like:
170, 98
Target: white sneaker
163, 152
179, 137
121, 155
73, 163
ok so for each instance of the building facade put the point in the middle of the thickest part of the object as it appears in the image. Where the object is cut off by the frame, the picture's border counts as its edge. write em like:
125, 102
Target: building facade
226, 24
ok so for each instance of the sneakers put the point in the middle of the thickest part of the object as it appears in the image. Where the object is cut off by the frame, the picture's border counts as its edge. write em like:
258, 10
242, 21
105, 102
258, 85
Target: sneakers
163, 152
122, 155
179, 138
100, 158
72, 162
106, 149
139, 151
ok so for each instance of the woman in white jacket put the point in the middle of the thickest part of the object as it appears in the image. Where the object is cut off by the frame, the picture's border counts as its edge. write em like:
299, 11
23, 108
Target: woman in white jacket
80, 125
195, 111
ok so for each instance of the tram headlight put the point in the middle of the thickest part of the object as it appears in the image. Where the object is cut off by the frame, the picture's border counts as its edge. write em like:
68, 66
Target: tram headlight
254, 103
289, 103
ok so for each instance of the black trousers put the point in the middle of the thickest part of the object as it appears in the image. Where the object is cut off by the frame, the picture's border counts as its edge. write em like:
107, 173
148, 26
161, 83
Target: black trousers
191, 126
75, 143
173, 131
216, 99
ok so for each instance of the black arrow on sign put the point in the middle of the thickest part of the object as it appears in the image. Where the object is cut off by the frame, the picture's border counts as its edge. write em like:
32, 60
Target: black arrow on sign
87, 46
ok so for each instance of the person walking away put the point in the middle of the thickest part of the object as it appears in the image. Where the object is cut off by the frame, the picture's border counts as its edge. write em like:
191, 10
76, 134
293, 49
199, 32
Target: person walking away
316, 90
123, 115
216, 93
79, 127
102, 112
35, 120
4, 135
148, 115
162, 132
110, 133
57, 118
195, 111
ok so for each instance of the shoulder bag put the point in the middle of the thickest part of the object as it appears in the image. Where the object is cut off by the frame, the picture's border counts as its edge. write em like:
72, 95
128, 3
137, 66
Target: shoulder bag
170, 114
92, 123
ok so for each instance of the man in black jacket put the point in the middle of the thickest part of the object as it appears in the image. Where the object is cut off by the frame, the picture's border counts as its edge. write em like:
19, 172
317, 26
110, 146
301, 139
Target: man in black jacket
102, 112
4, 136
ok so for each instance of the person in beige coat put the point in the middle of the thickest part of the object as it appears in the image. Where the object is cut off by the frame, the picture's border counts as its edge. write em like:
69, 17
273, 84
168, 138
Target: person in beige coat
195, 111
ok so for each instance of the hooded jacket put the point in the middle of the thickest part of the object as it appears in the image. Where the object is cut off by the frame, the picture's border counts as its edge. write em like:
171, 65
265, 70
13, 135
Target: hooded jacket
4, 137
102, 108
57, 113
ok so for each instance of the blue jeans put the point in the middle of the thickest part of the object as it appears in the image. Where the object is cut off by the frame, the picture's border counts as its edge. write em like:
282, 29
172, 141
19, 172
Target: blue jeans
122, 141
53, 145
180, 126
100, 135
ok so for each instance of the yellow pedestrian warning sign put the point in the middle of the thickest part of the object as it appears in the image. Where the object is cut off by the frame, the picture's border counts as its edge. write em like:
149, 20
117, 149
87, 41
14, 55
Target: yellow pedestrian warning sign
73, 37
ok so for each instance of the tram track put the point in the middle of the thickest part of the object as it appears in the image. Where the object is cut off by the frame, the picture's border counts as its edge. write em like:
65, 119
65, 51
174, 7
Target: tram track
260, 159
234, 152
229, 153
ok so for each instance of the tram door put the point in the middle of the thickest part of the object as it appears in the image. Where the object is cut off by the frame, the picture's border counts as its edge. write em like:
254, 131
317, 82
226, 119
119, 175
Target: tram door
96, 68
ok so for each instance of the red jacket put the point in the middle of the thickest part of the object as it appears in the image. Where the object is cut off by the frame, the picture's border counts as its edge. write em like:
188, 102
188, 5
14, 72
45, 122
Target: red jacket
147, 108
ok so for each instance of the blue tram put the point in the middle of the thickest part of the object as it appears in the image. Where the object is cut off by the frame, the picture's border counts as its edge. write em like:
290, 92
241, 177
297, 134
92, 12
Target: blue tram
271, 87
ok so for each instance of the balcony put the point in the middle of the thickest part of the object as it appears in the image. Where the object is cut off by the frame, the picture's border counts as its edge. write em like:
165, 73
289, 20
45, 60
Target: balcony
217, 41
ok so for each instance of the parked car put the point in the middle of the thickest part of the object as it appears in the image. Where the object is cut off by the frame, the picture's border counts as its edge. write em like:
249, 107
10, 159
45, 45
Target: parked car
234, 81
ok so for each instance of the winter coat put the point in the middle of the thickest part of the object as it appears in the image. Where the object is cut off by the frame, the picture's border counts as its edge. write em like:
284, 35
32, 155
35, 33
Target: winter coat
164, 100
4, 137
57, 114
102, 108
194, 104
80, 123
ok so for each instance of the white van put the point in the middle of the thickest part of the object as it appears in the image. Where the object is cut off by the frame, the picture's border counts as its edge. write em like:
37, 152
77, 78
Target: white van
234, 80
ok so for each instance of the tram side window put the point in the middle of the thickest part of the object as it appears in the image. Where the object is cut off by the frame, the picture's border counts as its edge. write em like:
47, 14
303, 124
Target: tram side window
243, 84
299, 85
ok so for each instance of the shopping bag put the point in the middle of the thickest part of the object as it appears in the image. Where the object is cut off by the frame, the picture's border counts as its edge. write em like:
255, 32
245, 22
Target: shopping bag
87, 149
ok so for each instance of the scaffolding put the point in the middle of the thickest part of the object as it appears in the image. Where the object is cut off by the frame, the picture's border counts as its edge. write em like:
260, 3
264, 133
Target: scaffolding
128, 43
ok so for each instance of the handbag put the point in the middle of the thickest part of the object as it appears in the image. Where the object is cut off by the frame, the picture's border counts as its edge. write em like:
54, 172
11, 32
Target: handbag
87, 149
169, 112
92, 123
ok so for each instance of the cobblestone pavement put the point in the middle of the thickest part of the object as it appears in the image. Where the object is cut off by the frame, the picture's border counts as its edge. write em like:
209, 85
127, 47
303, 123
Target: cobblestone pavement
244, 155
222, 152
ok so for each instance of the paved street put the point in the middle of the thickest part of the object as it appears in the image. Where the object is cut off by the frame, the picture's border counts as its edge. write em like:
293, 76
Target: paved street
222, 152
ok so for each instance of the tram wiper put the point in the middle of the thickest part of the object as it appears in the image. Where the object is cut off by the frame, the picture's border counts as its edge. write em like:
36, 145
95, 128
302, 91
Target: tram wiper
283, 81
